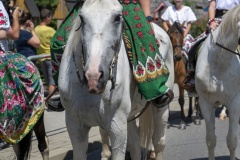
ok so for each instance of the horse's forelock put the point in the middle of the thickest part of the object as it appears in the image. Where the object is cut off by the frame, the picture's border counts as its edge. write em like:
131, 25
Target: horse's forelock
176, 26
232, 18
88, 4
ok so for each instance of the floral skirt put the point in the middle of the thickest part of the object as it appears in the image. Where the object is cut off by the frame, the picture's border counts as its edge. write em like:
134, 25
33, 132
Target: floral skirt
21, 96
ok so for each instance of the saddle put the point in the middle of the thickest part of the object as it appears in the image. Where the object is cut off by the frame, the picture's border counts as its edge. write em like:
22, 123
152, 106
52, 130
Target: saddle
194, 52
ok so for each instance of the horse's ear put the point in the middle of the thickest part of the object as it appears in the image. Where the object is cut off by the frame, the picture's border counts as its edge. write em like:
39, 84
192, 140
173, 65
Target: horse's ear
168, 24
182, 25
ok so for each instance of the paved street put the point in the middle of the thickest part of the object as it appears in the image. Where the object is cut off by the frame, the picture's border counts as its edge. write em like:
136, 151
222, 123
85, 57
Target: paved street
186, 144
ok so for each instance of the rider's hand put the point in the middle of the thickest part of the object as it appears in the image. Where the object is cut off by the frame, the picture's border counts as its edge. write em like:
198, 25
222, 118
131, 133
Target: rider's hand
213, 25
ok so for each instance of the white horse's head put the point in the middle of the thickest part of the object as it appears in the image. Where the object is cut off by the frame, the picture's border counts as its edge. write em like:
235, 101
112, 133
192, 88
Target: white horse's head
101, 30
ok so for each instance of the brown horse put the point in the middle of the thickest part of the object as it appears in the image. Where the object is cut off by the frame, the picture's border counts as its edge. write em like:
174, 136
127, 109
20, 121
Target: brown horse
175, 33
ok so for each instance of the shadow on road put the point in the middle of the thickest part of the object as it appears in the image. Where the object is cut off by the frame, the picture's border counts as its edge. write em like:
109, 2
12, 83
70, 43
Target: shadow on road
217, 158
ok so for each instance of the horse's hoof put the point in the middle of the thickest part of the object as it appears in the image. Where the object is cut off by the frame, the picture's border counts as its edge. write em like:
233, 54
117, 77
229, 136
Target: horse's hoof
152, 155
182, 126
222, 117
197, 122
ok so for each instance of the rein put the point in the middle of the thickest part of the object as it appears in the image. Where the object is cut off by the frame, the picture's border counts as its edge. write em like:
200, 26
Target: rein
221, 46
143, 110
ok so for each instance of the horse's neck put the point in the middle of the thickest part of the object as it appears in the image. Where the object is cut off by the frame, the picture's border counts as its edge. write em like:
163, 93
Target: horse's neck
123, 67
226, 39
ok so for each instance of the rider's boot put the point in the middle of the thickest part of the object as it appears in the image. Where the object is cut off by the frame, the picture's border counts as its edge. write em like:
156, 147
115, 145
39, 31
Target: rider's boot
189, 81
164, 99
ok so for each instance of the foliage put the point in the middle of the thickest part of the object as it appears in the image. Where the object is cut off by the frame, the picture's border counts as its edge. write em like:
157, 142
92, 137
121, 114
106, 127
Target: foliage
49, 4
198, 27
189, 3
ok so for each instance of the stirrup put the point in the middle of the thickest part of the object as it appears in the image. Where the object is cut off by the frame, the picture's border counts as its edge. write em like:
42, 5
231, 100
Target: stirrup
164, 99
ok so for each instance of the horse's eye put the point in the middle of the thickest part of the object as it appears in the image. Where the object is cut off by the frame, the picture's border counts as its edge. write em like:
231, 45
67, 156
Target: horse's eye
118, 18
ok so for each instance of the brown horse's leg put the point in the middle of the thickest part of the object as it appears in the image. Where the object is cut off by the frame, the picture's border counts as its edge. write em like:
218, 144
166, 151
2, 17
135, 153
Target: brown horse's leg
197, 120
181, 103
190, 111
40, 133
22, 148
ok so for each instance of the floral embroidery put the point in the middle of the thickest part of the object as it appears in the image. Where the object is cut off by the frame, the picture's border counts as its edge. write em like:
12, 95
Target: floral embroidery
3, 19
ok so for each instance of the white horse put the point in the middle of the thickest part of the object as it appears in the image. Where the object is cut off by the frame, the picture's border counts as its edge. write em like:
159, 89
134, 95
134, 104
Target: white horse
95, 47
218, 80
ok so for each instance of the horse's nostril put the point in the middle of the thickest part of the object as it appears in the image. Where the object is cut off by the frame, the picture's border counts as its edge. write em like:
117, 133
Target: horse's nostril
101, 75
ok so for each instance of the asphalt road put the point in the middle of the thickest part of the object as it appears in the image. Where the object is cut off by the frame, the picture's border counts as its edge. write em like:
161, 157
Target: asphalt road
186, 144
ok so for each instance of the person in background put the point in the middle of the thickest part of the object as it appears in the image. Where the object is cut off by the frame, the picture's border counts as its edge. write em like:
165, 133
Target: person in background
217, 8
182, 14
45, 33
28, 40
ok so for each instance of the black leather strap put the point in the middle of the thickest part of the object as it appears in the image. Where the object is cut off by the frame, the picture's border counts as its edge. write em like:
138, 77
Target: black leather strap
149, 18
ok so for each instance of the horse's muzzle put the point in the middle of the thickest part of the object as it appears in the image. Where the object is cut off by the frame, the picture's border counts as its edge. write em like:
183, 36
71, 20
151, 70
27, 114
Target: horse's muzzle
177, 58
95, 83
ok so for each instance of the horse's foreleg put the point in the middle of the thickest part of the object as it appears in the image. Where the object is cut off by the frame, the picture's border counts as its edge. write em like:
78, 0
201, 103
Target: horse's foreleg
160, 118
78, 134
181, 103
190, 109
208, 112
43, 144
133, 136
118, 136
23, 147
232, 137
106, 153
197, 120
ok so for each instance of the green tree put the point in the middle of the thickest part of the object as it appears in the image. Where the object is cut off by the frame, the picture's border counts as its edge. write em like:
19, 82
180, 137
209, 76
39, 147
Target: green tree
49, 4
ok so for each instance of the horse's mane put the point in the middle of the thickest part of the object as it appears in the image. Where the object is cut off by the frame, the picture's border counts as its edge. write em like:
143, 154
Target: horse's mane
231, 18
176, 25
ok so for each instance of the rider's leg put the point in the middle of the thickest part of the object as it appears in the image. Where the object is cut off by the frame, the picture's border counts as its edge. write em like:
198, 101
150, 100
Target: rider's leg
189, 82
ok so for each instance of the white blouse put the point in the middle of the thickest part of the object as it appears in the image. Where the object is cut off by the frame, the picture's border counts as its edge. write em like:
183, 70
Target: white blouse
4, 24
226, 4
185, 14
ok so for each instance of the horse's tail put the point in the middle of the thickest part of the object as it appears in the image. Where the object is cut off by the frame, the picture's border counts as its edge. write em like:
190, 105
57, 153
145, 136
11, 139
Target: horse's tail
24, 147
146, 130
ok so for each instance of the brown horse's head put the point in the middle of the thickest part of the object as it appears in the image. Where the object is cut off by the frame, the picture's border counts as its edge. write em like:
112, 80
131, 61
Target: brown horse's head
175, 33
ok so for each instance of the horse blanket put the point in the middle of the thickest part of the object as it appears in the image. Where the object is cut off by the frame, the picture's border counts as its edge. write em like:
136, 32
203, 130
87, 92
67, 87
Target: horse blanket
149, 69
21, 96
